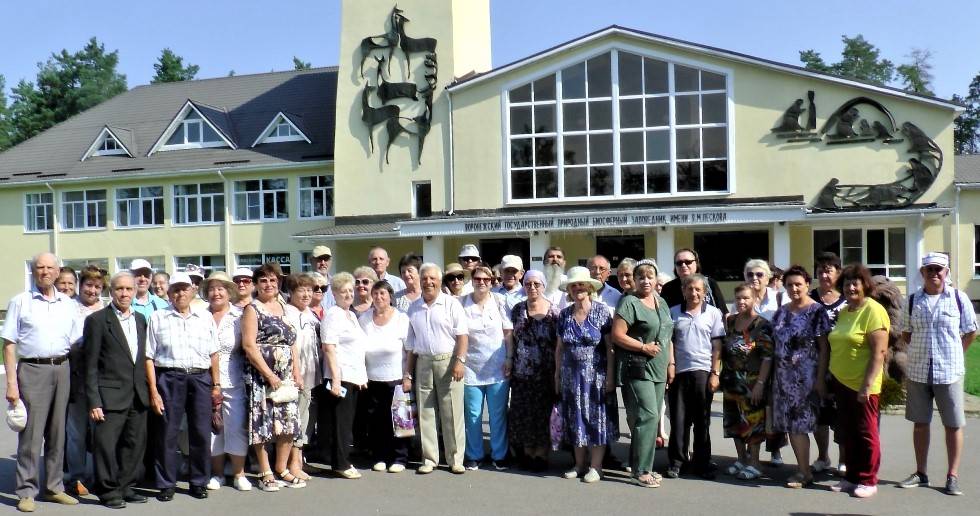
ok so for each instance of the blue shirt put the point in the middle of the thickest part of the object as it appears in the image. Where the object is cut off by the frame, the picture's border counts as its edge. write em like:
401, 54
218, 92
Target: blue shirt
935, 353
41, 327
396, 283
152, 304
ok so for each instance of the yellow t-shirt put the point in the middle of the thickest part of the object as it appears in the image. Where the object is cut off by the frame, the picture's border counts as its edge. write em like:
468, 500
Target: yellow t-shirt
850, 350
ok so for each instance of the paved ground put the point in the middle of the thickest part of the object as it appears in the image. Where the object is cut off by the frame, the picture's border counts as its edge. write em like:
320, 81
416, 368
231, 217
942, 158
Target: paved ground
516, 493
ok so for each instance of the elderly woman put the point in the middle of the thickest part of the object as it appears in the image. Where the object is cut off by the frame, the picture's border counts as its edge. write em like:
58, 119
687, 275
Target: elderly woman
800, 328
643, 329
408, 268
67, 283
826, 270
686, 263
307, 327
489, 359
584, 374
364, 278
386, 329
269, 344
159, 283
858, 344
454, 279
746, 357
624, 275
535, 324
319, 290
344, 343
232, 441
246, 288
662, 279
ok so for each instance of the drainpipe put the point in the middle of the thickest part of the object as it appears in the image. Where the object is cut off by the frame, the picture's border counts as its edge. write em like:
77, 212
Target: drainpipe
956, 237
452, 158
54, 222
229, 199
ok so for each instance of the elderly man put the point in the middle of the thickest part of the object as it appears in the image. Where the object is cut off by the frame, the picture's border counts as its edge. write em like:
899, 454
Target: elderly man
511, 274
183, 376
469, 258
39, 329
437, 345
196, 273
320, 259
145, 302
698, 331
379, 261
939, 325
116, 390
554, 273
599, 269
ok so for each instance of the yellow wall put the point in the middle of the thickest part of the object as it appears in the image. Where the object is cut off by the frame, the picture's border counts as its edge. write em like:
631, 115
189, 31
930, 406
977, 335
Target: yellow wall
354, 253
962, 264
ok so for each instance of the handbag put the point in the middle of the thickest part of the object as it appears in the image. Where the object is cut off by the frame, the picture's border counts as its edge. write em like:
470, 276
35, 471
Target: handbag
555, 426
403, 413
217, 418
286, 392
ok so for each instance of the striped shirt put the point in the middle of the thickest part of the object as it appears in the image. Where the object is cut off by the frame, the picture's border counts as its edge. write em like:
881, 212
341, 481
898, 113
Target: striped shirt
178, 341
935, 354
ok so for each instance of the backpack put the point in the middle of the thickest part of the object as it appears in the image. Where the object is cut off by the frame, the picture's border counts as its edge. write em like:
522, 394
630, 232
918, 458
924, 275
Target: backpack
959, 303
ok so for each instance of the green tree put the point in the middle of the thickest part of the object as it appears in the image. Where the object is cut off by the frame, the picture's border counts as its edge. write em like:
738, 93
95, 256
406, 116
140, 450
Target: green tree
299, 64
859, 60
4, 116
170, 68
67, 84
916, 76
966, 128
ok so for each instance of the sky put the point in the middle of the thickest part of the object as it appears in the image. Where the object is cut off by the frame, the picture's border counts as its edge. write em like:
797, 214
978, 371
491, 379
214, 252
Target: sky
251, 36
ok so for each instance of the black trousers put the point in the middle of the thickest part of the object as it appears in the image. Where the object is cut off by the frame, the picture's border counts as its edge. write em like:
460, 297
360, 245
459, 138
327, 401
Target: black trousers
690, 405
335, 422
120, 441
188, 394
381, 440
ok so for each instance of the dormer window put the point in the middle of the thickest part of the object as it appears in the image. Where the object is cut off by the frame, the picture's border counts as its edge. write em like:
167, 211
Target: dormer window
193, 130
282, 129
196, 126
110, 143
110, 146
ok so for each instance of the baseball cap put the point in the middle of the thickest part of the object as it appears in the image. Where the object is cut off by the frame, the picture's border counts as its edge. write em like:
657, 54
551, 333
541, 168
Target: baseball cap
139, 264
17, 416
242, 271
511, 261
322, 250
469, 250
193, 270
180, 277
940, 259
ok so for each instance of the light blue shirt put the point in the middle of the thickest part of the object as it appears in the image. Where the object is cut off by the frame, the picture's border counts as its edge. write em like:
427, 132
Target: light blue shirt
152, 304
396, 283
693, 336
41, 327
511, 297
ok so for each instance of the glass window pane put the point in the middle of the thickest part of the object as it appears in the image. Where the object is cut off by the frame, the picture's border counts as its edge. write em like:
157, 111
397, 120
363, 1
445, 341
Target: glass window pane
520, 152
521, 94
658, 145
715, 175
876, 246
896, 246
544, 118
573, 82
896, 272
658, 111
545, 151
715, 142
826, 241
305, 203
658, 178
713, 108
269, 205
600, 76
654, 76
95, 195
686, 109
575, 150
123, 213
688, 144
544, 89
219, 208
520, 120
600, 115
192, 115
685, 78
576, 182
546, 183
274, 184
630, 74
126, 193
74, 196
631, 147
573, 116
600, 181
521, 185
157, 211
688, 176
155, 191
631, 113
210, 135
712, 81
632, 179
852, 237
600, 148
211, 188
193, 132
850, 255
192, 212
177, 137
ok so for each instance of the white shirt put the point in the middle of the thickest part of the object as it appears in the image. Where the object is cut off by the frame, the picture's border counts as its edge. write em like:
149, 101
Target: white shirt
231, 359
693, 335
385, 346
433, 328
486, 353
512, 297
610, 296
340, 328
41, 327
307, 328
174, 340
769, 304
128, 323
395, 282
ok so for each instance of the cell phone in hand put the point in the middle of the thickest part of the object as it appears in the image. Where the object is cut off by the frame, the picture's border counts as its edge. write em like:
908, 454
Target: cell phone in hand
343, 390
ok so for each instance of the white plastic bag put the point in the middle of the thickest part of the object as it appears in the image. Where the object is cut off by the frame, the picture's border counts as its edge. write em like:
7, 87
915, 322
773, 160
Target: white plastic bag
403, 413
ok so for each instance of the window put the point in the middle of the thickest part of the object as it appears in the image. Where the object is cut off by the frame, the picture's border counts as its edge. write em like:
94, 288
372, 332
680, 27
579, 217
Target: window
156, 262
199, 204
881, 250
619, 124
141, 206
315, 197
84, 209
422, 199
281, 129
192, 132
208, 263
110, 147
724, 253
253, 261
39, 212
976, 251
260, 199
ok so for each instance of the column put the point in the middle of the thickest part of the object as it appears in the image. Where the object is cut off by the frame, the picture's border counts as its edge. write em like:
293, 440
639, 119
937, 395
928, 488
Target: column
665, 249
780, 246
913, 253
434, 250
540, 241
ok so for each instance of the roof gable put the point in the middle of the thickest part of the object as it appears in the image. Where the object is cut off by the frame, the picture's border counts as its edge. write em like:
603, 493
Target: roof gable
123, 138
266, 137
215, 118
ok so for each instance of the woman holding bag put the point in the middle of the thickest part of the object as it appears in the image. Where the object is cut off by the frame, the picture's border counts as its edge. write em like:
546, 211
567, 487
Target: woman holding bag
642, 329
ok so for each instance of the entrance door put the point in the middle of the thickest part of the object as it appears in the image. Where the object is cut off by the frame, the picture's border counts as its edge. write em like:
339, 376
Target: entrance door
723, 254
493, 249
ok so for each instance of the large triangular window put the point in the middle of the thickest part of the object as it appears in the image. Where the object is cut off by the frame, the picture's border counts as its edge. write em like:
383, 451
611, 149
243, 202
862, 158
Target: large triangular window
190, 129
108, 143
282, 129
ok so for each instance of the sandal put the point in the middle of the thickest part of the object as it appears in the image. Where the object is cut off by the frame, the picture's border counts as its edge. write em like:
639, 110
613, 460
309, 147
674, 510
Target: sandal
302, 475
749, 473
798, 481
651, 481
290, 480
268, 482
735, 469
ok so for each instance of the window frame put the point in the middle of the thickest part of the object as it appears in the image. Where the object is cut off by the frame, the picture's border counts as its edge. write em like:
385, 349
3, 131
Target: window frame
415, 200
263, 259
864, 247
179, 122
261, 206
198, 198
329, 190
139, 200
180, 263
976, 255
614, 48
85, 204
30, 213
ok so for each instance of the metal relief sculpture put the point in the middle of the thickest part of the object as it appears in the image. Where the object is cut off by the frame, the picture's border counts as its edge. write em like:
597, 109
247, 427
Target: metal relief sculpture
408, 101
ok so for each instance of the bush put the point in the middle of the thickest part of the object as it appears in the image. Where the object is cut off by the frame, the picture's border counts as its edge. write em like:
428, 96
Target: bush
892, 392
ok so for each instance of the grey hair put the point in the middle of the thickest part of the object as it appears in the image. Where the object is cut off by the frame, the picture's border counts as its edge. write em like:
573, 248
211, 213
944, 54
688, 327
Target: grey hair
663, 277
692, 278
364, 270
626, 262
430, 266
341, 280
120, 275
320, 279
38, 256
757, 263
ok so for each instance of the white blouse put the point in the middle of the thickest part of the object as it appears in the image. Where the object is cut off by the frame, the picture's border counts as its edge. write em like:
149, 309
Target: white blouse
767, 306
340, 328
231, 358
486, 353
385, 346
307, 328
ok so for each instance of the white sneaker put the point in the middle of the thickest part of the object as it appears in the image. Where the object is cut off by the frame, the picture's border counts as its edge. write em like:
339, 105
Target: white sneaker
592, 476
242, 484
214, 484
863, 491
819, 466
841, 469
396, 468
379, 466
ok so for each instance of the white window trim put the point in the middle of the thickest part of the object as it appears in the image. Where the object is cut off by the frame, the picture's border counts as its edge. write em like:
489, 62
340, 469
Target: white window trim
180, 266
27, 214
415, 200
262, 219
116, 200
864, 244
64, 205
161, 145
299, 198
976, 258
280, 117
93, 149
173, 205
616, 167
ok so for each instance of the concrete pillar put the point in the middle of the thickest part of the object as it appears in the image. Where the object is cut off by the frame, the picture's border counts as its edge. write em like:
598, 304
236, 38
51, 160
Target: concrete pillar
434, 250
914, 245
665, 249
780, 246
540, 241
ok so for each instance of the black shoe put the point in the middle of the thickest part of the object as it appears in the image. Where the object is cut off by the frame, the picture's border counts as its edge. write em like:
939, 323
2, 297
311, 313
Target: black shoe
134, 498
199, 492
502, 464
674, 471
539, 464
471, 464
115, 503
166, 495
706, 473
612, 462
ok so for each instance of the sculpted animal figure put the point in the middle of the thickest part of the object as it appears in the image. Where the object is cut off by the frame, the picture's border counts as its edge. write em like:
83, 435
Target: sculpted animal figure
387, 41
393, 90
411, 45
791, 119
372, 116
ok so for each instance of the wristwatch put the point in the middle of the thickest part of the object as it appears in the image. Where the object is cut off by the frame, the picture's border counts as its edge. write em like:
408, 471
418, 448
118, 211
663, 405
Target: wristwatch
407, 376
461, 359
714, 372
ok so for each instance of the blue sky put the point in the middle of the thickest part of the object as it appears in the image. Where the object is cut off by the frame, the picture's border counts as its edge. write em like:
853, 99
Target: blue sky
251, 36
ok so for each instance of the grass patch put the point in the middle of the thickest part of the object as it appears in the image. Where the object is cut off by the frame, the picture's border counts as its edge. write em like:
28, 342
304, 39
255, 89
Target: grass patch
972, 382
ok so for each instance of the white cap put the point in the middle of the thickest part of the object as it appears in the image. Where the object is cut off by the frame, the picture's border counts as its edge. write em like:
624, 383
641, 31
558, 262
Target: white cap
17, 416
194, 270
511, 261
321, 250
940, 259
180, 277
469, 250
138, 264
242, 271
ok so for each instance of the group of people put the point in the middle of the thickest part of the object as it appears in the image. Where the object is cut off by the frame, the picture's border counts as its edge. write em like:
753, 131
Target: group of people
200, 370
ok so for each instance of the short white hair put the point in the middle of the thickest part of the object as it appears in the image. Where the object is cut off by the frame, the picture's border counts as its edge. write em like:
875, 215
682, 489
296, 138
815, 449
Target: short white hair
120, 275
757, 263
430, 266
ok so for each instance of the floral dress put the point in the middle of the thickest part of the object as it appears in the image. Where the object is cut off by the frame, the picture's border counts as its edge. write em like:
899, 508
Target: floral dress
583, 377
532, 378
742, 356
795, 403
267, 420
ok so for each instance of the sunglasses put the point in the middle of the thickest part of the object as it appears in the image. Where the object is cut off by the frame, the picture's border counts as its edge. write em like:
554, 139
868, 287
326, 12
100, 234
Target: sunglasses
454, 277
482, 280
533, 284
364, 282
244, 281
468, 259
680, 263
750, 275
318, 288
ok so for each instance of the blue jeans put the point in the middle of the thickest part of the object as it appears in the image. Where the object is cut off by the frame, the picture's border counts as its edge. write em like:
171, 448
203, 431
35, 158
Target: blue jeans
78, 461
496, 397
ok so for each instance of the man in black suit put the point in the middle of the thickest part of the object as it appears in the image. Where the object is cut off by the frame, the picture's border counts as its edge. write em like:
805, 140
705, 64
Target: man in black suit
117, 393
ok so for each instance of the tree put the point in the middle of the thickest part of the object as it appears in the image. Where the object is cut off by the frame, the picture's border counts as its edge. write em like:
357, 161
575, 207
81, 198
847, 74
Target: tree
170, 68
67, 84
4, 116
966, 128
916, 76
299, 64
231, 73
859, 60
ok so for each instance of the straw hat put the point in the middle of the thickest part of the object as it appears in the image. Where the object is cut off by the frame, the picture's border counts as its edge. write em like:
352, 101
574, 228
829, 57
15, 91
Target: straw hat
453, 268
225, 281
580, 275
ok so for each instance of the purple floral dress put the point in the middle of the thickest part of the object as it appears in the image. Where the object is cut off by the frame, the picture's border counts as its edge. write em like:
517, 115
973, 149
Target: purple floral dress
532, 382
583, 377
795, 403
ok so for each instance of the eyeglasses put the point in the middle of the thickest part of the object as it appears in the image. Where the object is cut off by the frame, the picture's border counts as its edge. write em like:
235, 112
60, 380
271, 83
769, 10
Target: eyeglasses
324, 258
750, 275
469, 259
533, 284
681, 263
482, 280
318, 288
454, 277
365, 282
143, 273
244, 281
